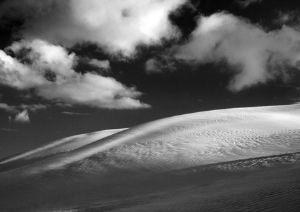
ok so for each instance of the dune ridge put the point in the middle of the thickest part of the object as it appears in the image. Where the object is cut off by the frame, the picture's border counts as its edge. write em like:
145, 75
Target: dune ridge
241, 159
176, 142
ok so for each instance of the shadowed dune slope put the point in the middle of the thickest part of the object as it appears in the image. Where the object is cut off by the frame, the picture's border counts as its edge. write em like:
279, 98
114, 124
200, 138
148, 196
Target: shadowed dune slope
174, 143
242, 159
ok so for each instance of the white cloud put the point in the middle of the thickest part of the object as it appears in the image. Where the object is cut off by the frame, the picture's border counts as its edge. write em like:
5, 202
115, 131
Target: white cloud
49, 71
101, 64
93, 90
22, 117
161, 63
153, 66
16, 74
19, 108
291, 18
118, 26
256, 55
33, 107
20, 113
8, 108
44, 57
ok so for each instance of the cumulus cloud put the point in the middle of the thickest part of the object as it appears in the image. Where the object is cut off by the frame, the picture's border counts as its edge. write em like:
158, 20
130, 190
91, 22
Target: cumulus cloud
93, 90
8, 108
20, 113
256, 55
152, 66
16, 74
290, 18
118, 26
19, 108
41, 63
101, 64
49, 70
33, 107
161, 63
22, 117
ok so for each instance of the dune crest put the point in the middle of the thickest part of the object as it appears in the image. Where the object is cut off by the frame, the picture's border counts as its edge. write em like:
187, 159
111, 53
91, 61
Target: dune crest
177, 142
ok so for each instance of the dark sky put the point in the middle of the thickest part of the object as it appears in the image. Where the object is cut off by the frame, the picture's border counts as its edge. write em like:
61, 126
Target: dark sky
179, 88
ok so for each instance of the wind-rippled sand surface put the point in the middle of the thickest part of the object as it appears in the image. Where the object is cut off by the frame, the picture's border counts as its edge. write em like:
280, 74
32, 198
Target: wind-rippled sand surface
243, 159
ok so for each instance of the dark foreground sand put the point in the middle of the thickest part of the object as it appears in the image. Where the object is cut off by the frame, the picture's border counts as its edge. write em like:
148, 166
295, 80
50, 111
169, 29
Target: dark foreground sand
261, 184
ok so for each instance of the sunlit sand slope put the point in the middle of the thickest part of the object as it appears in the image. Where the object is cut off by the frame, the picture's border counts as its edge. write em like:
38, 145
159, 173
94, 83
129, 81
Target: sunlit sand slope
176, 142
243, 159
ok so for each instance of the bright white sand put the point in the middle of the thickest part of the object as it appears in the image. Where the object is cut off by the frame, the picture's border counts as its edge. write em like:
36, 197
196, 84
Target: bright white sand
177, 142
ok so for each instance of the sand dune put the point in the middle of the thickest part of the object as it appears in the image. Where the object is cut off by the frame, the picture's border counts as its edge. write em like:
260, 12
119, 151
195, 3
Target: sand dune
167, 162
177, 142
63, 145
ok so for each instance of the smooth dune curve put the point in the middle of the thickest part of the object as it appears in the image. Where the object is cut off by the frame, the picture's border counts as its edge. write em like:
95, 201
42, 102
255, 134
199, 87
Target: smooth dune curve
243, 159
62, 145
181, 142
